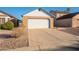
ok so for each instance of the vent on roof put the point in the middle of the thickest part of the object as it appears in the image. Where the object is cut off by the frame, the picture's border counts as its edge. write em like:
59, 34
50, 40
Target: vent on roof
68, 10
39, 9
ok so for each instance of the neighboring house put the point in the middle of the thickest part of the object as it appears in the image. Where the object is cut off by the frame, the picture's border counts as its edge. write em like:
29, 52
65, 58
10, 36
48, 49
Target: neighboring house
38, 18
59, 13
5, 17
69, 20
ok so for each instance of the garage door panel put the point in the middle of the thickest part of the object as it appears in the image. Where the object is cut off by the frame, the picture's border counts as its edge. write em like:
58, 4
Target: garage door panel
38, 23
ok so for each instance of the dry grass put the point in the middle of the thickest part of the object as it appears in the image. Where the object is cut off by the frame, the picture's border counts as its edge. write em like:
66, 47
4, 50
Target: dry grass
17, 32
13, 43
19, 41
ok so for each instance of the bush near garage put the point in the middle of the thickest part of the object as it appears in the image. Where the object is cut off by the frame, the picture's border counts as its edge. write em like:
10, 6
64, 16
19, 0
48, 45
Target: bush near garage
0, 26
7, 26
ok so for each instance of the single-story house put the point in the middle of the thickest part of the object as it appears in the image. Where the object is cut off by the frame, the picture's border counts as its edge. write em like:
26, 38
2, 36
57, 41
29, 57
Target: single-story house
37, 19
5, 17
69, 20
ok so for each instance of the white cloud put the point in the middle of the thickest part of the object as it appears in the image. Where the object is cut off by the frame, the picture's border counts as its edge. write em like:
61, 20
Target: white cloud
39, 3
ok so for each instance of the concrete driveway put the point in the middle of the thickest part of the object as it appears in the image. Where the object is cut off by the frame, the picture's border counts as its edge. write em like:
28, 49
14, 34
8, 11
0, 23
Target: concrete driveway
50, 40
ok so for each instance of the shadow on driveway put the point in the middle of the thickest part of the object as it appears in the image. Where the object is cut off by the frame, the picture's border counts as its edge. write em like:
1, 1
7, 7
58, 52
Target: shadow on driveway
64, 48
5, 36
73, 31
73, 47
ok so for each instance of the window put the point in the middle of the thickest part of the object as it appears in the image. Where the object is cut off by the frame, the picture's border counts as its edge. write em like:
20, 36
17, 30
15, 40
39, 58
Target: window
2, 20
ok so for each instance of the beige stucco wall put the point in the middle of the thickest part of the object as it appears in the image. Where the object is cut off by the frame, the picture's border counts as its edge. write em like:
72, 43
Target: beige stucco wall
75, 21
60, 14
37, 13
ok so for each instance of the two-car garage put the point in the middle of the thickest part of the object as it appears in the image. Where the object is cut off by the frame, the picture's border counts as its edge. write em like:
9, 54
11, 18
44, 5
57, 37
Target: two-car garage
38, 23
37, 19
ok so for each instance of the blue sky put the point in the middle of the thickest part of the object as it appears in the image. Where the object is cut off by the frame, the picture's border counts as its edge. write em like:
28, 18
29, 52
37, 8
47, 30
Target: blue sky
18, 11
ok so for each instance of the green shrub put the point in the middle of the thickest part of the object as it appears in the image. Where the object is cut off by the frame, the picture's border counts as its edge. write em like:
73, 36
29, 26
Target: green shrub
0, 26
8, 25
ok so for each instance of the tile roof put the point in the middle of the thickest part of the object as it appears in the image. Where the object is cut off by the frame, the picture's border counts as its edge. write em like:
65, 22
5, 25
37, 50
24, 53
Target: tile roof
8, 14
68, 16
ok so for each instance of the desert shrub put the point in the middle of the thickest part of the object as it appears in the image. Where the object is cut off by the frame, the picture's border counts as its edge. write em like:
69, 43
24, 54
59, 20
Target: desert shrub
8, 25
17, 32
20, 39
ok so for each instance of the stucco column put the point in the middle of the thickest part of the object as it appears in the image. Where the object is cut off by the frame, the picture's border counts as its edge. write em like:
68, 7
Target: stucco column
24, 22
74, 22
51, 23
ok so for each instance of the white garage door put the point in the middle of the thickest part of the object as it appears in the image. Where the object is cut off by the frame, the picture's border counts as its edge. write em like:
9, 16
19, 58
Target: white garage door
38, 23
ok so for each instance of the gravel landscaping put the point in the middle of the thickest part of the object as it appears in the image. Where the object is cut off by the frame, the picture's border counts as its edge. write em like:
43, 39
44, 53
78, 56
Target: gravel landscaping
8, 42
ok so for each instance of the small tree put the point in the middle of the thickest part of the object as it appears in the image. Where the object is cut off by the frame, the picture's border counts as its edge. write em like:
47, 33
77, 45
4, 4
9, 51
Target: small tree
8, 25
